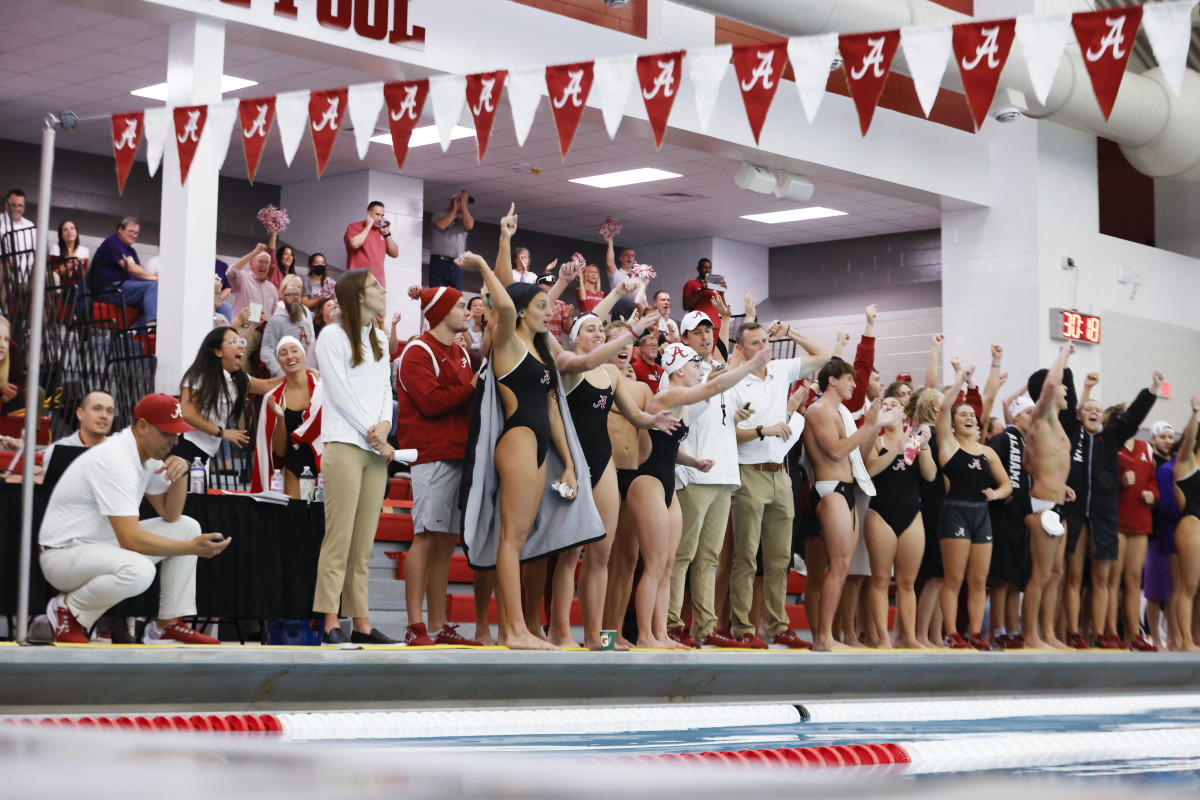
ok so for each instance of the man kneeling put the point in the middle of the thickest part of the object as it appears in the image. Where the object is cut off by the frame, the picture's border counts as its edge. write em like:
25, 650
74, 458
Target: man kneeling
97, 552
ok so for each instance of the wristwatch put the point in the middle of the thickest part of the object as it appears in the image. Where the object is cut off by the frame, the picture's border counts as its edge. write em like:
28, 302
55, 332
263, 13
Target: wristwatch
758, 430
220, 432
387, 236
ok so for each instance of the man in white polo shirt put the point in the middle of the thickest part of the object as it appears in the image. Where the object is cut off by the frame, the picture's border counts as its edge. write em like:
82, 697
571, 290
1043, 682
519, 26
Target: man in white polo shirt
704, 500
97, 552
763, 507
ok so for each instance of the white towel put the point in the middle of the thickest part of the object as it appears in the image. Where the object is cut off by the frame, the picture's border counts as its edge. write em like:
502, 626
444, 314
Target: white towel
857, 467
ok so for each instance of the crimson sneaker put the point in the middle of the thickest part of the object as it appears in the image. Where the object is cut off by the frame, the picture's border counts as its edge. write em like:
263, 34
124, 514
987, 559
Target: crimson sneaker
683, 636
449, 635
751, 641
415, 635
1139, 643
1104, 642
977, 641
1076, 641
719, 638
1016, 641
175, 633
66, 628
1001, 642
955, 641
788, 637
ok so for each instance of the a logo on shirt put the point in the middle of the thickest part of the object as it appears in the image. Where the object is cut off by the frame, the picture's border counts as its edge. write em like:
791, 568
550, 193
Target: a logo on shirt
466, 363
546, 377
975, 464
899, 466
602, 402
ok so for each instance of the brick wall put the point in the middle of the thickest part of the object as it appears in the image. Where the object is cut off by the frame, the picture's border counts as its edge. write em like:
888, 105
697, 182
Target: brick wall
630, 19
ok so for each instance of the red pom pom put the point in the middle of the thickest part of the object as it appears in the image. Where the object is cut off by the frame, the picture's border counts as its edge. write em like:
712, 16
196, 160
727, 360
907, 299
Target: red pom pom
273, 219
414, 292
643, 272
610, 228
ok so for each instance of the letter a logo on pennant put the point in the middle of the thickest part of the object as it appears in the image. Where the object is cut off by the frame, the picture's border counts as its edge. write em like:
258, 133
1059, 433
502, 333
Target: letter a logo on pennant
483, 96
255, 116
1106, 39
405, 100
658, 77
866, 60
325, 110
759, 69
981, 50
569, 86
189, 124
127, 135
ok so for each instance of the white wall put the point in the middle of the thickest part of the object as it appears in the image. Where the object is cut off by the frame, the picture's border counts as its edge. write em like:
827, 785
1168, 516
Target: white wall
1176, 209
744, 266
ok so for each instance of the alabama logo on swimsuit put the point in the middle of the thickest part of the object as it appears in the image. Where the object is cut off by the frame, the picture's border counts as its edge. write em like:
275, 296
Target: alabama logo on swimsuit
975, 464
546, 377
602, 402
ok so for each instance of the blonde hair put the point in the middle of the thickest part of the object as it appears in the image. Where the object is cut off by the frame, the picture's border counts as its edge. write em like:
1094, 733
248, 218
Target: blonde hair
291, 279
923, 406
4, 365
584, 281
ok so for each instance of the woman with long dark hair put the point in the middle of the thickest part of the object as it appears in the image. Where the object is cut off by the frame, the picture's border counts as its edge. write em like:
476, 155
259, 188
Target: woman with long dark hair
356, 418
524, 430
69, 257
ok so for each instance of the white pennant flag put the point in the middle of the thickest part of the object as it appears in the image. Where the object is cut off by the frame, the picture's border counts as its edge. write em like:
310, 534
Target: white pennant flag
449, 96
525, 88
155, 123
927, 51
1168, 26
811, 58
364, 101
219, 128
291, 113
1043, 40
614, 79
706, 69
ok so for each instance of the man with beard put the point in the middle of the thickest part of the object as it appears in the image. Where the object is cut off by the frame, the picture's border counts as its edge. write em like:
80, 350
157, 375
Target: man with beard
291, 318
435, 390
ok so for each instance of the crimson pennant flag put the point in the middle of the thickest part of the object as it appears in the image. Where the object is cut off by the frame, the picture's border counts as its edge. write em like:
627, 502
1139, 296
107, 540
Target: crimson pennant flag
126, 136
483, 97
866, 60
569, 85
981, 49
189, 124
759, 69
255, 116
325, 111
658, 77
1106, 39
404, 100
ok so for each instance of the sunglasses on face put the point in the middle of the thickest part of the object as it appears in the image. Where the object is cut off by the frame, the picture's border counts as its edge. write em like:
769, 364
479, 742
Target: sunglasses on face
547, 280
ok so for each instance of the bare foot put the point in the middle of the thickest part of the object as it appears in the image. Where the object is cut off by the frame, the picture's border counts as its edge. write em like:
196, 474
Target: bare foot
925, 644
853, 644
484, 636
623, 643
886, 644
825, 644
1035, 643
564, 641
1056, 643
914, 644
526, 641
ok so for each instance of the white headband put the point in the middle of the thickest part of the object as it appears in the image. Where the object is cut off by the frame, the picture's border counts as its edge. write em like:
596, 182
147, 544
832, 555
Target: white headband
288, 340
579, 323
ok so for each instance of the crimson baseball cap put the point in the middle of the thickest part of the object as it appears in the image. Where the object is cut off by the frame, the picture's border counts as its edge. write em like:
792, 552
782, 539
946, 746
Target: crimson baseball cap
904, 376
163, 412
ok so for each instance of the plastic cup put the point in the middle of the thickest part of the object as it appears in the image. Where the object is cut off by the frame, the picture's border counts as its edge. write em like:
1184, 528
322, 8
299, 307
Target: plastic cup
608, 640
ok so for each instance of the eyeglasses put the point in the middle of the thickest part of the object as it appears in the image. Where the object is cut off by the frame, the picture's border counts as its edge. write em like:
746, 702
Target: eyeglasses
288, 294
547, 280
236, 341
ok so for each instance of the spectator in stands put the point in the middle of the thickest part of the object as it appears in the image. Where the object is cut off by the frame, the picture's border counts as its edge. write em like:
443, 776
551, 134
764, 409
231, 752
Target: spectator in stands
368, 241
252, 289
589, 294
616, 276
434, 393
699, 296
12, 373
289, 423
667, 327
70, 258
327, 311
448, 241
291, 318
116, 267
97, 552
476, 323
213, 389
317, 284
645, 360
283, 259
18, 235
356, 420
521, 271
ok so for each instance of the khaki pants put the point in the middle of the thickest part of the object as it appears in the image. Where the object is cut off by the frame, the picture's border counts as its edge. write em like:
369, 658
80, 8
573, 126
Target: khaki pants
355, 484
763, 509
705, 508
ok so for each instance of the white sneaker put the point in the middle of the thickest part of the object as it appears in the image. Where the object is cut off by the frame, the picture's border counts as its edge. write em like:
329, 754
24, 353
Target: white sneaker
798, 564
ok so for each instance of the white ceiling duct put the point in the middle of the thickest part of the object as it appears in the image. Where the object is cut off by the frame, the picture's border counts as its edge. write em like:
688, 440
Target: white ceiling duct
1155, 129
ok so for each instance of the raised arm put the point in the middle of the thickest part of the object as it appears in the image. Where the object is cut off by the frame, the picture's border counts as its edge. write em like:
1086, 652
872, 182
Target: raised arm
610, 259
843, 339
947, 444
1185, 462
1089, 382
1008, 401
627, 404
825, 422
935, 359
508, 226
445, 220
1045, 402
241, 263
1127, 425
723, 310
503, 324
992, 386
819, 351
686, 395
575, 363
605, 306
750, 301
567, 274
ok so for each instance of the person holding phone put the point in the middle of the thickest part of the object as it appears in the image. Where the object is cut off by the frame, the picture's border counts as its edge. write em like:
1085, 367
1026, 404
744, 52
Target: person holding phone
701, 293
368, 241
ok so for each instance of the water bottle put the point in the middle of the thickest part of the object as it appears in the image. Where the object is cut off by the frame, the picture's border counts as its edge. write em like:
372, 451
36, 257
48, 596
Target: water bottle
308, 485
277, 481
197, 482
319, 494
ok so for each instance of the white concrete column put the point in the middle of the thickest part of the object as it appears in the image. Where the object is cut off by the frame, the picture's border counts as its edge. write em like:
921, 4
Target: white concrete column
188, 248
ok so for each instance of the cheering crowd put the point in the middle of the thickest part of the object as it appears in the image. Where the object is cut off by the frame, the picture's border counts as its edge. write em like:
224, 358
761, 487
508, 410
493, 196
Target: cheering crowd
687, 471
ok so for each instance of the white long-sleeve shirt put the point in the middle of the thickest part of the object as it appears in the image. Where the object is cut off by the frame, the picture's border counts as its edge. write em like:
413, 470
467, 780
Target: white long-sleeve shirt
356, 398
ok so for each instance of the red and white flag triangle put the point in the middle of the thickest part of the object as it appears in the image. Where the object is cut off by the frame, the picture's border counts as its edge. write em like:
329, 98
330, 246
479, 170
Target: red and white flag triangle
483, 98
981, 50
658, 83
1106, 42
569, 86
404, 101
126, 136
866, 60
189, 126
759, 69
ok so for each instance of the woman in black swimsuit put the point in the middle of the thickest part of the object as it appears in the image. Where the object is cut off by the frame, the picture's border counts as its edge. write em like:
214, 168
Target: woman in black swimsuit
527, 383
971, 471
592, 385
651, 495
1187, 533
894, 532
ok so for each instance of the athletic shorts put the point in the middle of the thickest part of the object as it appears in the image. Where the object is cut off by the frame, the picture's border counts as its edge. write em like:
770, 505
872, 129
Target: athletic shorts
967, 520
1106, 546
435, 488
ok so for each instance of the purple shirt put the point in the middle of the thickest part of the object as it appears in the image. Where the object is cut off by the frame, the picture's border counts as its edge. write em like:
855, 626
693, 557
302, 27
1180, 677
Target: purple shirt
105, 269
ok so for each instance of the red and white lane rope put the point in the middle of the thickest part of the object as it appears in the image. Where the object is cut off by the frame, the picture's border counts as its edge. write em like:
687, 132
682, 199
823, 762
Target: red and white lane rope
972, 708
